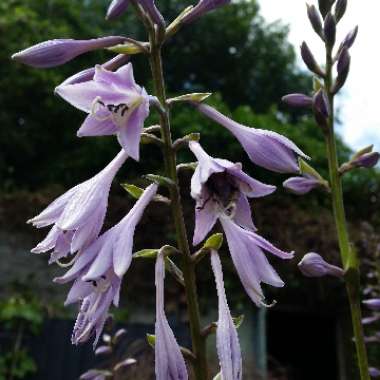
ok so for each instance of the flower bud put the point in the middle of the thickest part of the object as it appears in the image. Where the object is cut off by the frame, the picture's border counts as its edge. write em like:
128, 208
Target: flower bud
350, 38
374, 372
367, 160
103, 350
373, 304
57, 52
329, 30
321, 108
343, 68
340, 9
313, 265
153, 12
369, 320
325, 6
315, 19
297, 100
301, 185
310, 61
116, 9
124, 364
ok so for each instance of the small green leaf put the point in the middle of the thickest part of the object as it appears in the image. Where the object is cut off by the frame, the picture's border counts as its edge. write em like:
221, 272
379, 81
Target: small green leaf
197, 97
161, 180
151, 339
127, 48
359, 153
305, 168
218, 376
214, 242
146, 254
238, 321
133, 190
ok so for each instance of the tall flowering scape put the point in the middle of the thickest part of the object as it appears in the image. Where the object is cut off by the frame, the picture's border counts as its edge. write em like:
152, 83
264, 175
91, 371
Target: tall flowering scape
117, 106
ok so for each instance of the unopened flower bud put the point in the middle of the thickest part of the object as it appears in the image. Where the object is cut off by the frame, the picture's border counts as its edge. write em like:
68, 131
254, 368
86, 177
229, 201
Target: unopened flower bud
329, 30
203, 7
103, 350
374, 372
321, 108
367, 160
57, 52
116, 9
301, 185
297, 100
343, 68
124, 364
325, 6
340, 9
313, 265
350, 38
373, 304
315, 19
120, 334
310, 61
369, 320
153, 12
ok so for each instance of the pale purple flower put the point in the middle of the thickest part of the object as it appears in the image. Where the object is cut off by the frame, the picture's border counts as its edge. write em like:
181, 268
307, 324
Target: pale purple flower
203, 7
265, 148
77, 215
246, 248
313, 265
169, 361
93, 374
227, 340
370, 320
302, 185
88, 74
221, 187
116, 9
374, 372
57, 52
113, 249
115, 104
373, 304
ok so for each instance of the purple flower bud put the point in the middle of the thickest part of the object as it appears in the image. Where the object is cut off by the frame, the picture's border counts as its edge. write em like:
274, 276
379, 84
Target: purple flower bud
103, 350
313, 265
155, 15
310, 61
116, 9
321, 108
343, 69
350, 38
369, 320
329, 30
57, 52
373, 304
374, 372
297, 100
340, 9
301, 185
315, 19
124, 364
203, 7
325, 6
367, 160
88, 74
119, 335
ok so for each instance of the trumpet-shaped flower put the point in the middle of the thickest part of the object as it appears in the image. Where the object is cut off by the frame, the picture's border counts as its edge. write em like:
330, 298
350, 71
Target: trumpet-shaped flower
115, 104
113, 249
57, 52
221, 187
227, 341
246, 248
77, 215
265, 148
169, 362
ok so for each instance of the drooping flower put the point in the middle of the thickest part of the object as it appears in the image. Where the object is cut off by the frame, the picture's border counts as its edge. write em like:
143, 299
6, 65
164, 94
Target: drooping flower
88, 74
302, 185
221, 187
77, 215
313, 265
373, 304
57, 52
265, 148
169, 361
252, 266
203, 7
227, 340
113, 249
115, 103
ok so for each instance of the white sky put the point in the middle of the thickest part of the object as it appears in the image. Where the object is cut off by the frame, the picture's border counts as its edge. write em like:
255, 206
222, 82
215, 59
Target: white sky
359, 105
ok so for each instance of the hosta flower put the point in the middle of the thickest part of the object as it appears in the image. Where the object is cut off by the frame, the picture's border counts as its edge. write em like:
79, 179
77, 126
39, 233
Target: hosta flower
115, 104
113, 249
302, 185
252, 266
78, 215
374, 372
221, 187
116, 9
265, 148
313, 265
227, 341
169, 362
203, 7
57, 52
373, 304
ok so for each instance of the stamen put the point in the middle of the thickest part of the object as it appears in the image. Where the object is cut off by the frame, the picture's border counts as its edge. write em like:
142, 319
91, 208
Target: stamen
69, 264
268, 306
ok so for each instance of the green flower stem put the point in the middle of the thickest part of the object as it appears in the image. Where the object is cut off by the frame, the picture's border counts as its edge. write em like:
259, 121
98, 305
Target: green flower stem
348, 253
188, 266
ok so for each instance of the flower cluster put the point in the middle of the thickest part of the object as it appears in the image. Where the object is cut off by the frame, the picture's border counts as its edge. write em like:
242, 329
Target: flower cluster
116, 105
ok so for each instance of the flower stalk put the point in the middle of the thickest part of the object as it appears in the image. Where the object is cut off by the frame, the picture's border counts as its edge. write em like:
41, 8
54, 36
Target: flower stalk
188, 265
348, 253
